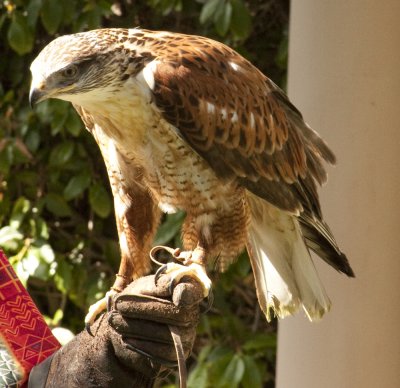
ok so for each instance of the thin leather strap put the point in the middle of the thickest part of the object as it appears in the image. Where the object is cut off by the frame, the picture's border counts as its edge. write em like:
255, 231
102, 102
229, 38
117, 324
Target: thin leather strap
180, 355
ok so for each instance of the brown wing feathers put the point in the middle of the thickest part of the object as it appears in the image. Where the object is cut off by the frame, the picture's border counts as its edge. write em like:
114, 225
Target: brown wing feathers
240, 133
248, 130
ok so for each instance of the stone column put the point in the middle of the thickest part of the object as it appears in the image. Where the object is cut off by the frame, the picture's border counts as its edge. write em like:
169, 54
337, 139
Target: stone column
344, 75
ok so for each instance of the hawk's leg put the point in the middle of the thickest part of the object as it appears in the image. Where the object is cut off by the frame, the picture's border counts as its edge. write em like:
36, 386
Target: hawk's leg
193, 265
97, 308
137, 218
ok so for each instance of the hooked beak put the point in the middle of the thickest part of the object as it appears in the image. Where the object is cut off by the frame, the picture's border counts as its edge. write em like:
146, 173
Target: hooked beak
35, 96
39, 91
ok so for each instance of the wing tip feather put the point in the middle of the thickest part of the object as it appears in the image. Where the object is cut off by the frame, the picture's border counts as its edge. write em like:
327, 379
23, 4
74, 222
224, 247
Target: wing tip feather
345, 266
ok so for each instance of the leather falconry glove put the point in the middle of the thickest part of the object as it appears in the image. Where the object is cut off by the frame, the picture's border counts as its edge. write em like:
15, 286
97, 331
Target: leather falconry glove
132, 343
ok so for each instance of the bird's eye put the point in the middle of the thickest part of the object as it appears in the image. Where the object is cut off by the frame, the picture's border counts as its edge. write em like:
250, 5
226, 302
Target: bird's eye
70, 71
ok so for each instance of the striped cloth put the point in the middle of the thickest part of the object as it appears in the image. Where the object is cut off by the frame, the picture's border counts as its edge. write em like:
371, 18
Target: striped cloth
25, 338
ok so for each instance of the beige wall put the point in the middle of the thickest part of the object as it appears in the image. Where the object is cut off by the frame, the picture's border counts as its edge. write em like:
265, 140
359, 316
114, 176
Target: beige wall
344, 75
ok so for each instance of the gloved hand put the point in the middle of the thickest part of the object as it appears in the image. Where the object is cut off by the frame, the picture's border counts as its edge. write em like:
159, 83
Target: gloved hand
132, 343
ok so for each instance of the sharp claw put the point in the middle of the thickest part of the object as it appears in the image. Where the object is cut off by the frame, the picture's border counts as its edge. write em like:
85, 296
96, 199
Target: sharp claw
159, 272
209, 302
88, 329
172, 285
109, 304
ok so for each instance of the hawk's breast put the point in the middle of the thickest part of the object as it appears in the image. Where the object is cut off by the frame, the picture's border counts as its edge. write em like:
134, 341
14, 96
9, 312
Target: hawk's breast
175, 174
178, 177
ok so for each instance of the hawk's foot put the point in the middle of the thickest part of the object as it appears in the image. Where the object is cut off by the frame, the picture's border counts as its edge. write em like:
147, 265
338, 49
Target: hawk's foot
178, 271
193, 266
103, 304
97, 308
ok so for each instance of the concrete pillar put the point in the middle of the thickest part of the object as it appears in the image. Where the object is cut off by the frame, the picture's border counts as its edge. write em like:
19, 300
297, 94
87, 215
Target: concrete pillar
344, 75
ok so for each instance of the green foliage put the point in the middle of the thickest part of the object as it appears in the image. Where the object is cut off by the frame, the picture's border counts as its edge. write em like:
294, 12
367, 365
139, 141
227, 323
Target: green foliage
19, 34
227, 15
56, 212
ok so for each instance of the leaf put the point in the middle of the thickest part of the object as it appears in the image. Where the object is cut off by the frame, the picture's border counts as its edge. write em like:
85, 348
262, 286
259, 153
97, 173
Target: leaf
53, 112
93, 18
96, 287
51, 15
252, 376
61, 153
32, 141
217, 370
57, 122
233, 373
21, 272
73, 123
169, 228
57, 205
208, 10
77, 185
79, 286
204, 352
219, 352
9, 238
41, 229
198, 377
63, 276
241, 19
69, 11
260, 342
165, 7
33, 10
57, 317
47, 253
223, 20
100, 200
34, 264
19, 35
20, 208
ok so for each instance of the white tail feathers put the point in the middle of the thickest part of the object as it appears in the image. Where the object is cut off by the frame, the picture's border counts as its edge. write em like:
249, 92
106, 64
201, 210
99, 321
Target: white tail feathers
284, 272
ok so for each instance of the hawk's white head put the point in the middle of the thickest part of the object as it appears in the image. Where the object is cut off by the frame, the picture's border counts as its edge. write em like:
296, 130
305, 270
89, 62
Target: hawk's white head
88, 66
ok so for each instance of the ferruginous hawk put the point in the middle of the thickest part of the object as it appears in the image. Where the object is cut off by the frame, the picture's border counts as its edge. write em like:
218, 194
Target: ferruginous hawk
185, 122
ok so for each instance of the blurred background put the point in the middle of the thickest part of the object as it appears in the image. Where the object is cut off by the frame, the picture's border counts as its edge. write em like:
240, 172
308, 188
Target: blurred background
56, 213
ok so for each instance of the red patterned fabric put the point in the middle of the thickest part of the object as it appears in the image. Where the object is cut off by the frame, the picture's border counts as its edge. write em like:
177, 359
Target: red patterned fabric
22, 327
